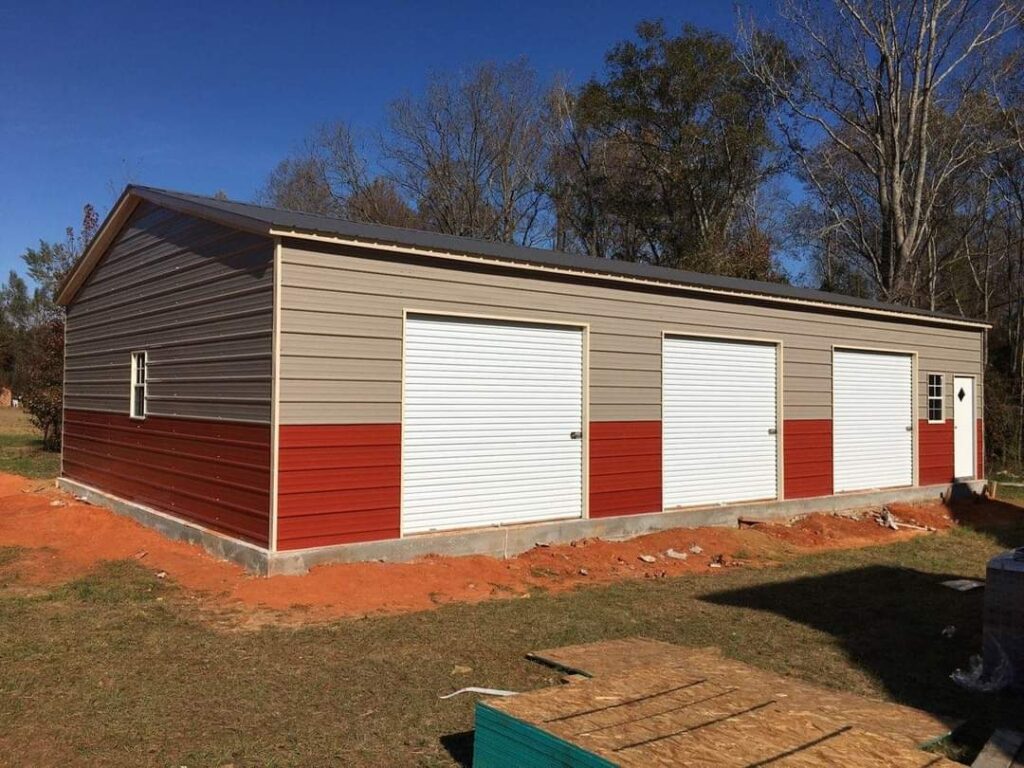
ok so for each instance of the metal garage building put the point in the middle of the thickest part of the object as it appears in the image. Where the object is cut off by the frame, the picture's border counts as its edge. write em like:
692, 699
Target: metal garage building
288, 389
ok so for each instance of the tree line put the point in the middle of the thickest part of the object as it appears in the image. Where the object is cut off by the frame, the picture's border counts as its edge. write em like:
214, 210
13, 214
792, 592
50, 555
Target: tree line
867, 147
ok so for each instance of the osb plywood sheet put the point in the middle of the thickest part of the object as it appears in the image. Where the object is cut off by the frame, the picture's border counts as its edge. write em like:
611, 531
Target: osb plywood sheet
657, 704
609, 658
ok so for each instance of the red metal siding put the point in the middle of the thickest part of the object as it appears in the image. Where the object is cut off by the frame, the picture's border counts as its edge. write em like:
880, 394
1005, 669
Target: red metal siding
935, 452
625, 467
214, 473
981, 449
338, 483
807, 458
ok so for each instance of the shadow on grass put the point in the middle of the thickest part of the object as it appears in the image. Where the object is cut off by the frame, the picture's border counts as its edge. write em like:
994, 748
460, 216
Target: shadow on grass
1002, 520
889, 622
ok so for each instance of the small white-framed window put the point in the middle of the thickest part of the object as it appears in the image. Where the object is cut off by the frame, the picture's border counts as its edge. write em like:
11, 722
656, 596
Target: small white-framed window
138, 398
936, 398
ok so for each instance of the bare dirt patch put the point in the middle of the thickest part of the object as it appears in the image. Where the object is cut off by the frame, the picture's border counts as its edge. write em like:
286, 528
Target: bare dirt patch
859, 528
64, 539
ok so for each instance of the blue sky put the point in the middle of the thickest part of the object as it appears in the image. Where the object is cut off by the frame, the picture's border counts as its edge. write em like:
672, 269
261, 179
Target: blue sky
201, 96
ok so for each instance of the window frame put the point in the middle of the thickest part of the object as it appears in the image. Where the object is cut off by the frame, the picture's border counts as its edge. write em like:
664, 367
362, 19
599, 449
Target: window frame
941, 397
134, 386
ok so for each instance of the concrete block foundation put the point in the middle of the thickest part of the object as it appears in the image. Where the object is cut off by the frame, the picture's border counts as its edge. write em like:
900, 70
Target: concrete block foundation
502, 541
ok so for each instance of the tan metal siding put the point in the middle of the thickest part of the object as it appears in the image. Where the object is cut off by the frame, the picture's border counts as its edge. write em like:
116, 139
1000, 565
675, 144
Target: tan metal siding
341, 334
198, 297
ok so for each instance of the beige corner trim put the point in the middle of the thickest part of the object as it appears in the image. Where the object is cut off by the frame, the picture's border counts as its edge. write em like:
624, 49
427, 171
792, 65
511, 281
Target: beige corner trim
578, 273
275, 398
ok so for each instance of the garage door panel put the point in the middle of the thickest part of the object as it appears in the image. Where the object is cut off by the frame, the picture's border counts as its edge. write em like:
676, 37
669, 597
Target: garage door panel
719, 412
488, 412
872, 400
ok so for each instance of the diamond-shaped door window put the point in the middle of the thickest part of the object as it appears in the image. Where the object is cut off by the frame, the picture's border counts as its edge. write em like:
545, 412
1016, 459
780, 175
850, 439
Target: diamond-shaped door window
961, 395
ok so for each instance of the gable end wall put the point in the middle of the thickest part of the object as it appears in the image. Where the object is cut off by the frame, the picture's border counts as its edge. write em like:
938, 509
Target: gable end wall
198, 298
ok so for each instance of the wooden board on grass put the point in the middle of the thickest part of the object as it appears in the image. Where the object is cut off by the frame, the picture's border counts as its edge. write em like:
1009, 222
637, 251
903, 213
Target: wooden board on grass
612, 657
654, 704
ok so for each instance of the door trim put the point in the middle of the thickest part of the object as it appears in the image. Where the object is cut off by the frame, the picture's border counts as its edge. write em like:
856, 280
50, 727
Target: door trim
583, 327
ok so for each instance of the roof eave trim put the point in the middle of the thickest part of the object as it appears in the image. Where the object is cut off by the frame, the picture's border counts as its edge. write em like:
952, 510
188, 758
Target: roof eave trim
489, 260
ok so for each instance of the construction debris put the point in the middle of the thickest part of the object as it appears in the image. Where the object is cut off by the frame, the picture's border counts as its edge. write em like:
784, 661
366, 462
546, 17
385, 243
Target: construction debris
887, 519
675, 555
976, 678
648, 703
696, 549
849, 514
648, 558
481, 691
963, 585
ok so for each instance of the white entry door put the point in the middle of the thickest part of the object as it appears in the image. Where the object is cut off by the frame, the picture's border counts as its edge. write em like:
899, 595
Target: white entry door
872, 420
964, 428
719, 421
492, 423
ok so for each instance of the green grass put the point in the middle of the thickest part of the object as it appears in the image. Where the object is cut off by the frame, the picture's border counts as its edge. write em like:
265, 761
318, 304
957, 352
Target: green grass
121, 668
21, 448
1011, 494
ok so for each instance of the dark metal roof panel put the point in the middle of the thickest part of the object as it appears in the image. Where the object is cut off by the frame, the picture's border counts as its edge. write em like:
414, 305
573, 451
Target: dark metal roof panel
257, 218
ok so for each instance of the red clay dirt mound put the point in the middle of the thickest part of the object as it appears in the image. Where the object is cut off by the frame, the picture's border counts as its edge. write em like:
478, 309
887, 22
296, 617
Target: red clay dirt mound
859, 528
67, 539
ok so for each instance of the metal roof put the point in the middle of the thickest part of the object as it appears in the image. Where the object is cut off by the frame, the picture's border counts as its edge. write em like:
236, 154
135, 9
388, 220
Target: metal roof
265, 220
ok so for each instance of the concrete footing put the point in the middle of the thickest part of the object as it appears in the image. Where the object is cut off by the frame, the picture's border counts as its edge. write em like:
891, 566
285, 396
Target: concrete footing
498, 541
250, 556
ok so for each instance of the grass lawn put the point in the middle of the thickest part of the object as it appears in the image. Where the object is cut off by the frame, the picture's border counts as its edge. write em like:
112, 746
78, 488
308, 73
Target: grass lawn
21, 448
121, 668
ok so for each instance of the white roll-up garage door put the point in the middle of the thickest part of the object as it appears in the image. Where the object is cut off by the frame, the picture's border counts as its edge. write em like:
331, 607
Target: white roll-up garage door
492, 422
719, 421
872, 420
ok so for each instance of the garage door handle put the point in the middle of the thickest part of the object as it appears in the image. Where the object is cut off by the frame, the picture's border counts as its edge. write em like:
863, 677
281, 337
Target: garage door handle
576, 435
910, 429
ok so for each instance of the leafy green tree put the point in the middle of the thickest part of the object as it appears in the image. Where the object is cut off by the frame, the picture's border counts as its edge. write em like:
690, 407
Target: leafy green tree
50, 262
32, 327
660, 156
